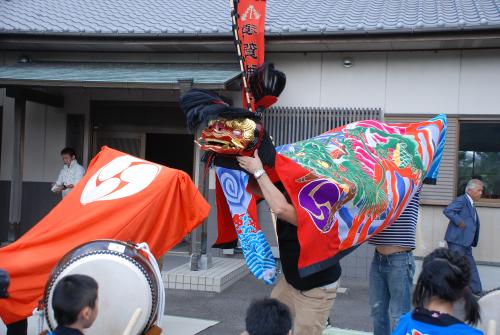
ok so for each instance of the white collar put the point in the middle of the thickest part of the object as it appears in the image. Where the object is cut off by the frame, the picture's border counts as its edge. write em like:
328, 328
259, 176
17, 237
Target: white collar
72, 164
470, 199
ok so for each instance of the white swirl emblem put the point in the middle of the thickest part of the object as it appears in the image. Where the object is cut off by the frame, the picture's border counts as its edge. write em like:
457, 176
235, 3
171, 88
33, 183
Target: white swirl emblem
119, 178
233, 183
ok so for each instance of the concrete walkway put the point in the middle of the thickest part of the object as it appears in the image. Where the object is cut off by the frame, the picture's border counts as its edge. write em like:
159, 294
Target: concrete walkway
350, 311
229, 307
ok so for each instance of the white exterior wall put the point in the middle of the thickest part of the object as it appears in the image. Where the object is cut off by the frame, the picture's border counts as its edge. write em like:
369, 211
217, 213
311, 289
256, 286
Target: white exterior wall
450, 82
45, 135
432, 227
423, 83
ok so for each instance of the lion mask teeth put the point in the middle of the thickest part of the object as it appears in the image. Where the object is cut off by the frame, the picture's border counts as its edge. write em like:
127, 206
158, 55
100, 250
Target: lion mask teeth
228, 135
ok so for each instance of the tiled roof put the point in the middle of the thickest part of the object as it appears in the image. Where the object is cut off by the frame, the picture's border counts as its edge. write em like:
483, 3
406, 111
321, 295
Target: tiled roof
211, 17
119, 74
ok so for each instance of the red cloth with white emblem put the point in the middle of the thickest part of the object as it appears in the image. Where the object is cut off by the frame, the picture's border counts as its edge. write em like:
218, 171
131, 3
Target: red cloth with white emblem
121, 197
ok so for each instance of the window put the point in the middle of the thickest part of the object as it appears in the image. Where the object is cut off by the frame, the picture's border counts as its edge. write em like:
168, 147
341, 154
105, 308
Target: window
479, 156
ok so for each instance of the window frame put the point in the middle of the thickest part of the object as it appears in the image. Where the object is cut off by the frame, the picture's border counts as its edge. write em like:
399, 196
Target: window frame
493, 203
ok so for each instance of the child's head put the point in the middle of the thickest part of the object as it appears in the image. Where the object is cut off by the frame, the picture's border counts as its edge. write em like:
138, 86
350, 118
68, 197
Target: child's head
75, 301
268, 317
446, 276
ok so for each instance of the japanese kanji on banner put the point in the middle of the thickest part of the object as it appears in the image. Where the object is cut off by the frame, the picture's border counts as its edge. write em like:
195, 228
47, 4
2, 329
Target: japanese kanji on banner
121, 197
249, 35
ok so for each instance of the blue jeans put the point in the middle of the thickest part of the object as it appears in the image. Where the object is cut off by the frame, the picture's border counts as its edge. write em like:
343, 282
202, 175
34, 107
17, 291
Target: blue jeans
475, 284
391, 280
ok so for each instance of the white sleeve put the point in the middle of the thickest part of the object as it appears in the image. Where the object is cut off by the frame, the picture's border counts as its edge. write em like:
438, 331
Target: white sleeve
60, 181
78, 174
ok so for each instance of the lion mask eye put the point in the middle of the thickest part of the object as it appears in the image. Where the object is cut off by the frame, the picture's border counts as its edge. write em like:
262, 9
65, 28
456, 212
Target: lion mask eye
237, 132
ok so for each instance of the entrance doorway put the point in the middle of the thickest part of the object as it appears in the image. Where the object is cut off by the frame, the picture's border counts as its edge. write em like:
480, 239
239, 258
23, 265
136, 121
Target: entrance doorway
155, 131
132, 143
173, 150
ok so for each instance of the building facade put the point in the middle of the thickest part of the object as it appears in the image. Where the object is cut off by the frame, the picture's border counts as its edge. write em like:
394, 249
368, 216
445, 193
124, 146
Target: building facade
408, 71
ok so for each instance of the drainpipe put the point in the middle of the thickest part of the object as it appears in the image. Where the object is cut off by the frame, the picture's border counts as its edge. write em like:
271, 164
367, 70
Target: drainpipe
199, 259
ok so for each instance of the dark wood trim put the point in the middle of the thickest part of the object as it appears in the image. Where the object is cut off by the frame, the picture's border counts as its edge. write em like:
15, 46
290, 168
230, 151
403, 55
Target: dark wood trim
16, 185
89, 84
409, 34
23, 88
349, 41
75, 134
35, 96
114, 103
1, 128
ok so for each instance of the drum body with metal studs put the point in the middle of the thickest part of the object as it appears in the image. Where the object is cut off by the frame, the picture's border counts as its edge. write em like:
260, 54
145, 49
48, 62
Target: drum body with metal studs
126, 280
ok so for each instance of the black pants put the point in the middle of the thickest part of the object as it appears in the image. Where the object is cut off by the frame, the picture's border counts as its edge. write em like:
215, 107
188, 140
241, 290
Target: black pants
18, 328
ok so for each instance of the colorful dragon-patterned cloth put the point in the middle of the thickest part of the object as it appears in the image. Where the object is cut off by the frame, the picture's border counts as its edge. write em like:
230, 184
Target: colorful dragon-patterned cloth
346, 184
351, 182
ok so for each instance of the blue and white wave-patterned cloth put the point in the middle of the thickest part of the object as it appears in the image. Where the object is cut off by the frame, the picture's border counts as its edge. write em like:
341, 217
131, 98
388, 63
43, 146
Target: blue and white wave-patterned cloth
256, 249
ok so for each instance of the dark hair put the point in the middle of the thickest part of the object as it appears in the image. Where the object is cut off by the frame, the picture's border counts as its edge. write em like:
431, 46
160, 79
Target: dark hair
68, 151
268, 317
446, 275
72, 294
201, 105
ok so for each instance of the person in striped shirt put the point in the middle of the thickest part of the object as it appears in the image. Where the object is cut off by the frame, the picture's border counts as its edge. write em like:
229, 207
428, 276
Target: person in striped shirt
392, 269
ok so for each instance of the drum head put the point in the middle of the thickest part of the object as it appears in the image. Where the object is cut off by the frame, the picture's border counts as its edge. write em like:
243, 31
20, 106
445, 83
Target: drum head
124, 285
489, 306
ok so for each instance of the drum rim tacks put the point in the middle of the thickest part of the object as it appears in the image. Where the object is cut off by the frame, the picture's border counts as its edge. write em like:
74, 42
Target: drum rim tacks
67, 260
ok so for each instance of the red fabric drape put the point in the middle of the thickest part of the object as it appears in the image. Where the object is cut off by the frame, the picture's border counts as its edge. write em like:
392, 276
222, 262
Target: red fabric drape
120, 197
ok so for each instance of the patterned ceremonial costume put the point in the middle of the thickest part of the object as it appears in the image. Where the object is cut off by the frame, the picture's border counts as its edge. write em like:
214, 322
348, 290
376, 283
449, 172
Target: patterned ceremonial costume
346, 184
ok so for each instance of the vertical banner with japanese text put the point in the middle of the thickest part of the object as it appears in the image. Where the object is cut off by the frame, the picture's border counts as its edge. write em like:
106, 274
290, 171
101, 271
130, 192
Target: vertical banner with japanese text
249, 34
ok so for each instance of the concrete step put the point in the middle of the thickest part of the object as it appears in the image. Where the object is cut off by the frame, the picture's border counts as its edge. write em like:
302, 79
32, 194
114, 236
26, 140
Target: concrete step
224, 273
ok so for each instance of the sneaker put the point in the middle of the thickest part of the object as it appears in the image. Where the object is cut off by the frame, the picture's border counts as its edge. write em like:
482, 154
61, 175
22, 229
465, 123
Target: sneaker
328, 324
